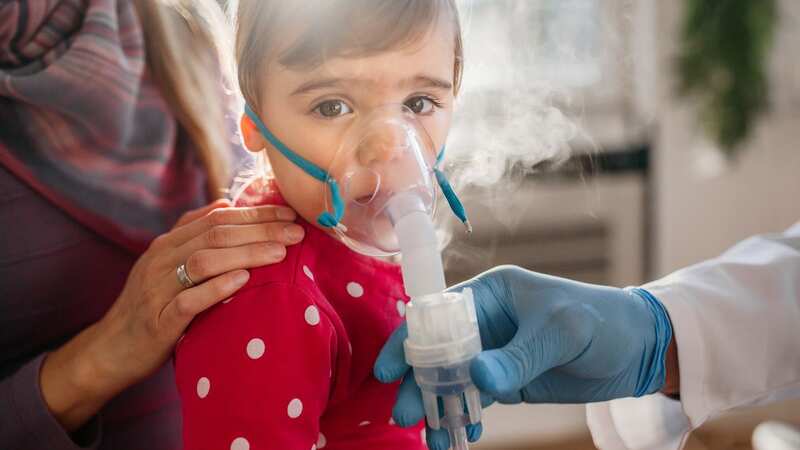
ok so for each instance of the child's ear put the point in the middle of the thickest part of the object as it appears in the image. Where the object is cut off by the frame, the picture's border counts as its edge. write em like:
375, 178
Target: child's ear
253, 140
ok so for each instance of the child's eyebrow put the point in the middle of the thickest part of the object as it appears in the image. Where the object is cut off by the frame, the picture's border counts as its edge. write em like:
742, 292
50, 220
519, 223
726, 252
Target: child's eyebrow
416, 81
428, 81
315, 85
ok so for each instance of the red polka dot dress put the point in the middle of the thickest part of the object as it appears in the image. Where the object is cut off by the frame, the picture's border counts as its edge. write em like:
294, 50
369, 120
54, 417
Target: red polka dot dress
287, 362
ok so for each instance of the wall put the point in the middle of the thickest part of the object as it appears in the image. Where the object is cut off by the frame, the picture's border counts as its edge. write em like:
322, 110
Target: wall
703, 203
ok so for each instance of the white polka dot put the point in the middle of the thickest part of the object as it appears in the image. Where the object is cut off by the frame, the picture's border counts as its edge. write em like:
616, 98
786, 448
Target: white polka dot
423, 435
401, 308
391, 421
308, 273
354, 289
240, 443
255, 348
295, 408
364, 423
314, 447
203, 386
227, 301
321, 441
350, 348
312, 315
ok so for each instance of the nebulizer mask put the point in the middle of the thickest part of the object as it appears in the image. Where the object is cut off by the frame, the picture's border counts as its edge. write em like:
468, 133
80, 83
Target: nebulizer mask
380, 195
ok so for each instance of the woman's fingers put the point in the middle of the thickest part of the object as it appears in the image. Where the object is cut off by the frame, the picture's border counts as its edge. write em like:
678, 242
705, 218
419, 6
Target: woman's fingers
227, 236
206, 264
228, 216
177, 314
209, 263
191, 216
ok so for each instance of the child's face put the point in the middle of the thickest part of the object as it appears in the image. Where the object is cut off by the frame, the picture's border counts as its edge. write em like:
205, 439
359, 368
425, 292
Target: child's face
311, 111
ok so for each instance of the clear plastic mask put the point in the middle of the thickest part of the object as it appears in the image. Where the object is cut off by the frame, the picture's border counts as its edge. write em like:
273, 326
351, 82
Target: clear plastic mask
386, 153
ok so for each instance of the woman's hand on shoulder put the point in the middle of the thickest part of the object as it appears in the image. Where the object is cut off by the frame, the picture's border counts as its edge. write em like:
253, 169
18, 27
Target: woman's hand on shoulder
216, 245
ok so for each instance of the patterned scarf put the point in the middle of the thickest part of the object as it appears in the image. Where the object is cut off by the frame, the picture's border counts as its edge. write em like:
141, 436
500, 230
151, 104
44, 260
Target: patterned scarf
83, 123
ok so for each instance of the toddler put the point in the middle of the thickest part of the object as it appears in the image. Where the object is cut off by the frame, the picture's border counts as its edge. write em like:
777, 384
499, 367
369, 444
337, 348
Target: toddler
287, 362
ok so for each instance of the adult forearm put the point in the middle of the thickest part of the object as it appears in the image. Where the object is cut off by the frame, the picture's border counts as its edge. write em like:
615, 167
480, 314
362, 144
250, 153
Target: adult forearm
72, 383
26, 420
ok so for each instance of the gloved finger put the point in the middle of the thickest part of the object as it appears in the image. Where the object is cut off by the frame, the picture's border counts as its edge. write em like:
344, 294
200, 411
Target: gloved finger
486, 399
497, 320
513, 398
440, 439
391, 363
408, 409
489, 281
474, 432
506, 370
437, 439
560, 388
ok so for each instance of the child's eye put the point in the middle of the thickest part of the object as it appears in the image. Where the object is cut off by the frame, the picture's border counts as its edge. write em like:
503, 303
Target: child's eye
422, 105
332, 108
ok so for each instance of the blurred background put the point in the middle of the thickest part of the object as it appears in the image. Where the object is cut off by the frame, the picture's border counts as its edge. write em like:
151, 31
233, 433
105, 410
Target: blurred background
606, 141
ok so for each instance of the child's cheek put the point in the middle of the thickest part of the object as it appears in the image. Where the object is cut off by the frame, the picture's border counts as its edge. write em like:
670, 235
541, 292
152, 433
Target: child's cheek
438, 127
303, 193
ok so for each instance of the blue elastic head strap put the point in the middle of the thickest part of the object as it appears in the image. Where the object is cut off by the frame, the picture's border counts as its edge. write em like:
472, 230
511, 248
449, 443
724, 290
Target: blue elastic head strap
325, 219
329, 220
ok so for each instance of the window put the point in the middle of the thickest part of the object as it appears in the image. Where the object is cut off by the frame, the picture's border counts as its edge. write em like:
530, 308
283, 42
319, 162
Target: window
527, 61
559, 41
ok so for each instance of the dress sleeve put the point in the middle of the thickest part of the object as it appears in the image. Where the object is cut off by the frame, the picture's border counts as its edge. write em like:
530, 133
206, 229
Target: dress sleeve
26, 421
735, 319
255, 372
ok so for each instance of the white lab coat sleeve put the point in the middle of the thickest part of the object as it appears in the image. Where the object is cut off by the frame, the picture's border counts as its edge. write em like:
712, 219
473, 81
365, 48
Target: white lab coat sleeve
736, 321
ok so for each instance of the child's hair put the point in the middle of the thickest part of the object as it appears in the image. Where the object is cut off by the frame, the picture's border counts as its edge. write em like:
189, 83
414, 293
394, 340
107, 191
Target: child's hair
186, 41
322, 29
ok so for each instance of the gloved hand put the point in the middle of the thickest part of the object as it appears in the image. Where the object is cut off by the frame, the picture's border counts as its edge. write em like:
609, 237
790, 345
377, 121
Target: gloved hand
548, 340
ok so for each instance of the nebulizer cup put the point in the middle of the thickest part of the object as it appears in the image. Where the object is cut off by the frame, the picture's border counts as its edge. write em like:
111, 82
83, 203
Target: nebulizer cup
443, 335
385, 183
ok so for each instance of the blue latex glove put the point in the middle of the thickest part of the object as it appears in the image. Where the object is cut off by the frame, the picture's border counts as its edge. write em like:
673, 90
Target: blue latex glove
548, 340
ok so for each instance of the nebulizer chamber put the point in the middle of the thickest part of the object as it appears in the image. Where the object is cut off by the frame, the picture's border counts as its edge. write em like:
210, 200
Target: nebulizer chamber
386, 172
442, 327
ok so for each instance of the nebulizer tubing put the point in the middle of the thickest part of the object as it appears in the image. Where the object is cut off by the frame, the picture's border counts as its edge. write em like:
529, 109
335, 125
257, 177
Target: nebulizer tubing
443, 335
